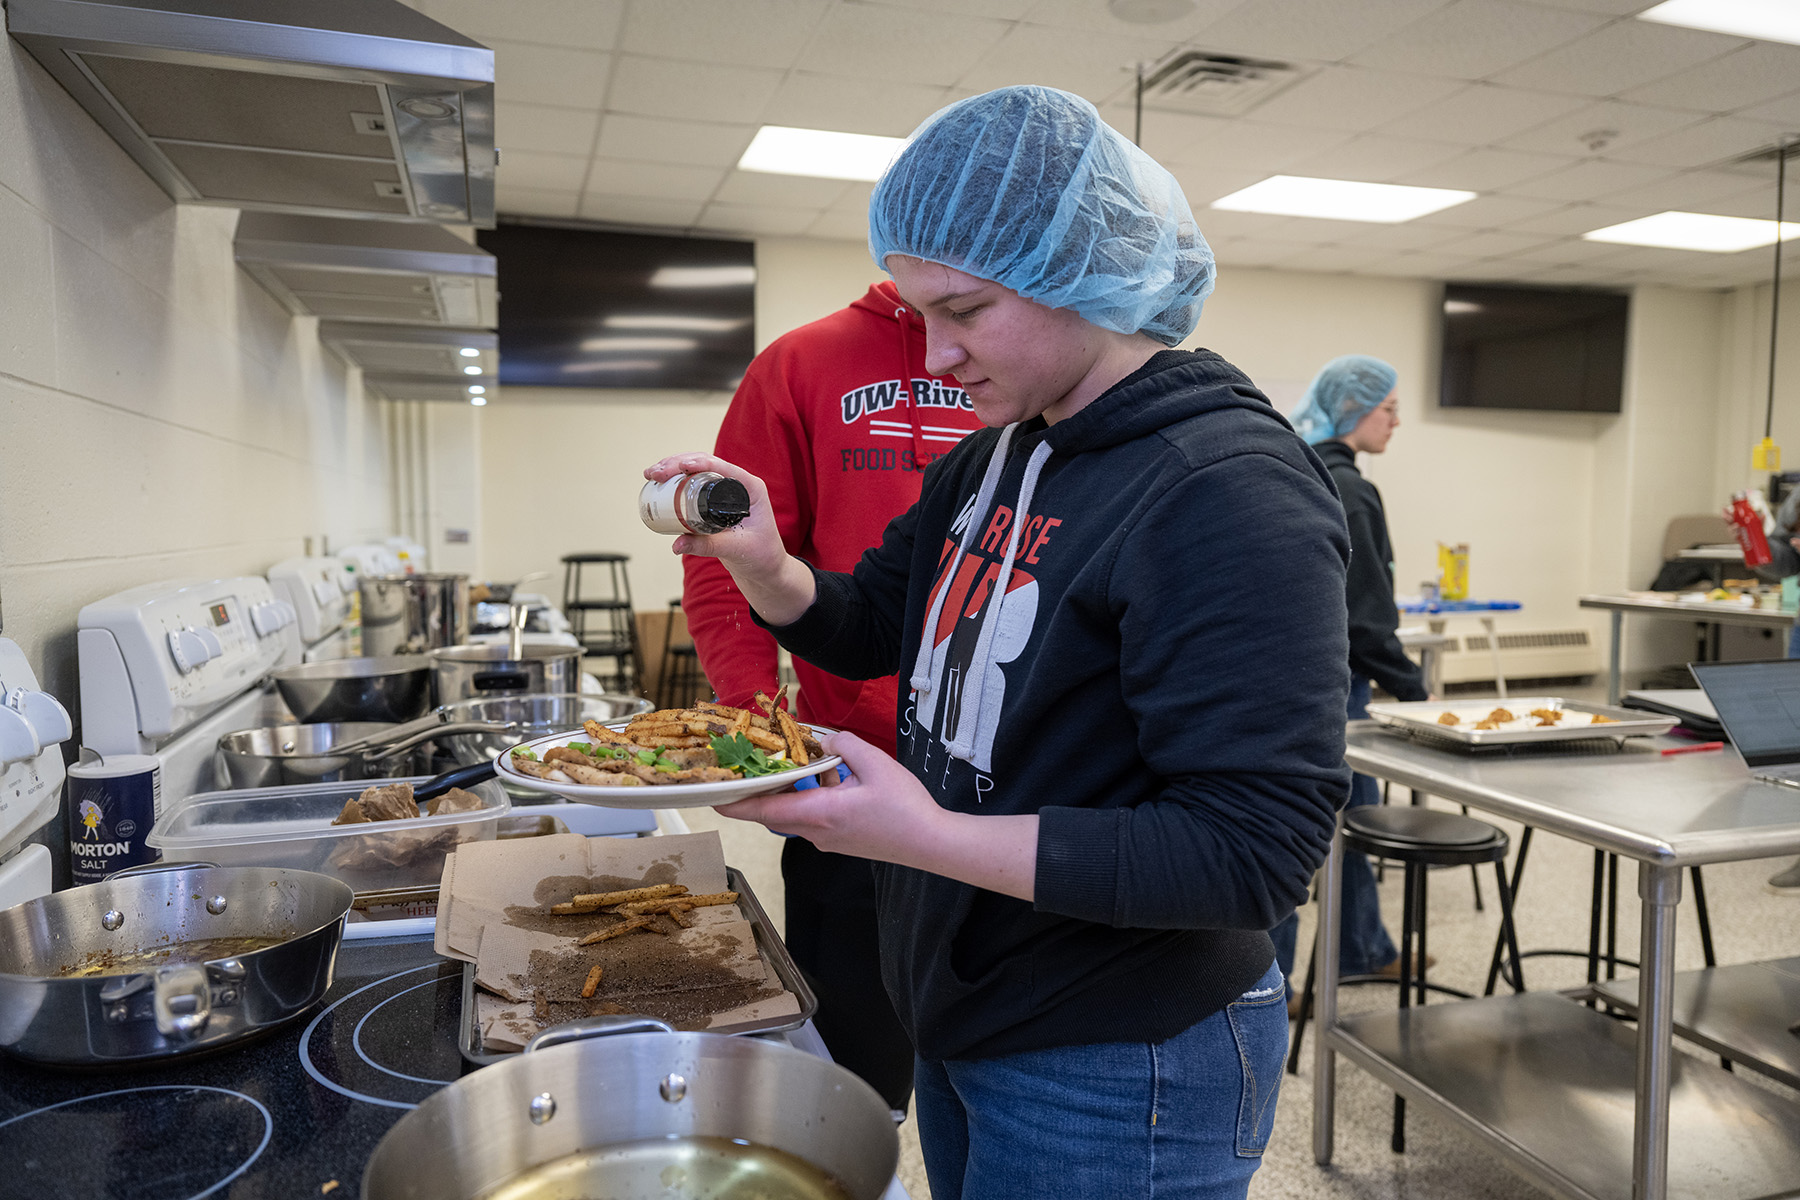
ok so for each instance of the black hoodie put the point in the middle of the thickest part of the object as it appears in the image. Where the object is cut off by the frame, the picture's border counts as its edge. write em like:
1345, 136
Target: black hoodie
1164, 684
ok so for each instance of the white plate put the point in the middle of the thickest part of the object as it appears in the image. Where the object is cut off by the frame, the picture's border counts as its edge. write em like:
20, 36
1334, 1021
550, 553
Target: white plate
670, 795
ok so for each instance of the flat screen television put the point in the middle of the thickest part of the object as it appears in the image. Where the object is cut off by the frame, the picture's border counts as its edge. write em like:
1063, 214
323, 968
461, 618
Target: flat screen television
1533, 348
592, 308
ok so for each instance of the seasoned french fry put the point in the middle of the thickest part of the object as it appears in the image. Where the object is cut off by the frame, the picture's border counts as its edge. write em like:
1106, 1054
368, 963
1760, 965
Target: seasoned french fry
572, 908
592, 983
619, 930
601, 734
651, 891
770, 742
639, 907
679, 913
790, 733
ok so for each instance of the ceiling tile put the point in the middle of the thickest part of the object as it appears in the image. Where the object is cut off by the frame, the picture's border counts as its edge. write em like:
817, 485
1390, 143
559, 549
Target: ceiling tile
660, 87
1623, 55
1498, 271
1589, 180
543, 128
865, 42
1488, 212
744, 218
1005, 10
1757, 73
1485, 170
854, 199
617, 177
1095, 65
848, 105
535, 202
1254, 252
1172, 139
1569, 250
1758, 204
1334, 259
840, 226
1322, 30
745, 33
762, 189
1472, 39
581, 24
1408, 235
549, 75
1609, 8
1353, 99
1785, 111
1480, 114
1715, 141
1218, 225
1374, 159
1491, 244
1655, 258
1578, 218
650, 139
635, 210
1087, 16
1693, 191
1424, 265
1246, 147
1627, 123
523, 168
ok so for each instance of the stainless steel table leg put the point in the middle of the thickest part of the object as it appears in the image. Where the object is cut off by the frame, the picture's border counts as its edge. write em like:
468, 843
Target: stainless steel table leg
1612, 666
1325, 1000
1660, 890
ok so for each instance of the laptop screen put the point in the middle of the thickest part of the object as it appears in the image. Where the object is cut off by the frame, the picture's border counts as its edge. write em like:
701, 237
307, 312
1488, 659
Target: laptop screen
1759, 705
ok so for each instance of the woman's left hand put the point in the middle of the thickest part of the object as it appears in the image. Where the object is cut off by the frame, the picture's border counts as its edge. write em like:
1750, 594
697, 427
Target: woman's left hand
880, 812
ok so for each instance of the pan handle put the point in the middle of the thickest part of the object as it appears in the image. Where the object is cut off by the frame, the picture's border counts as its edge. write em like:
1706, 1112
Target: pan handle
440, 729
183, 999
461, 777
593, 1027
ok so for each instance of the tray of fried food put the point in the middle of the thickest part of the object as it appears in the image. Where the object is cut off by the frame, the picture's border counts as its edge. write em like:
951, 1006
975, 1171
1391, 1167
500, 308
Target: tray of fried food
1519, 720
703, 755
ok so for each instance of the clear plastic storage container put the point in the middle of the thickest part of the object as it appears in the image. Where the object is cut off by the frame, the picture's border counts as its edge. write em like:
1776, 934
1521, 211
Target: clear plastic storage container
291, 827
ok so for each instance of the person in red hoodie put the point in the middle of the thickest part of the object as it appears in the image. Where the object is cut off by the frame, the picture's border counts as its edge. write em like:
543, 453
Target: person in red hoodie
840, 418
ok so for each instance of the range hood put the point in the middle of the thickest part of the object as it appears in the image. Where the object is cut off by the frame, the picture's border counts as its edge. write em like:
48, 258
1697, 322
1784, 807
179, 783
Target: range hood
351, 108
407, 387
414, 351
345, 270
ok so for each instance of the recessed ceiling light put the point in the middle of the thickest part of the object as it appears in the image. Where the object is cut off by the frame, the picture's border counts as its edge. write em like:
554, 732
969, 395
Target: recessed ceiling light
784, 150
671, 321
611, 345
471, 369
478, 401
476, 389
703, 277
1340, 199
1460, 307
1771, 20
1695, 231
469, 352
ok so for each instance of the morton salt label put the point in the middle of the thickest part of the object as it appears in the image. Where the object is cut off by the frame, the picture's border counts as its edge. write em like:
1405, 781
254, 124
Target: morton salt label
112, 805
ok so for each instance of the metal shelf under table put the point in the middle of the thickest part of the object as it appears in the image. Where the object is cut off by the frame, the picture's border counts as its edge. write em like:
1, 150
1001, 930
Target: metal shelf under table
1550, 1085
1741, 1012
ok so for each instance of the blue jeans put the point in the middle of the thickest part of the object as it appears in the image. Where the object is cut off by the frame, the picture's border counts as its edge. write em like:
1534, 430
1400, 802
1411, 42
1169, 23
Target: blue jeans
1363, 941
1186, 1118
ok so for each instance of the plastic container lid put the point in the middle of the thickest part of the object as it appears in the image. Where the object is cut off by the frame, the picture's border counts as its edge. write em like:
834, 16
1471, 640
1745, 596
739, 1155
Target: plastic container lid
299, 813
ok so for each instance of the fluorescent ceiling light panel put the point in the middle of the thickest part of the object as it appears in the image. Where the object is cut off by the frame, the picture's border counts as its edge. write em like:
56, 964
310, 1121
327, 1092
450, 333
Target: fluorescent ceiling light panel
608, 345
1695, 231
703, 277
784, 150
469, 352
1340, 199
471, 369
1770, 20
691, 324
476, 390
478, 401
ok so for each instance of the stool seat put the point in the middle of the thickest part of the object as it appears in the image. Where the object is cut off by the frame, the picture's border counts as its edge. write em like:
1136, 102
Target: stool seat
598, 556
1409, 834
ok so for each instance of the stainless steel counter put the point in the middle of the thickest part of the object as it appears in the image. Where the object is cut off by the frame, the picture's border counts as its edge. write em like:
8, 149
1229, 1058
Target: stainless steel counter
1660, 604
1666, 812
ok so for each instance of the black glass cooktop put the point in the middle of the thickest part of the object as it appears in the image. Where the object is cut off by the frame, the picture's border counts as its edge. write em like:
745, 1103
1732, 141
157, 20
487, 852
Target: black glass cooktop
285, 1116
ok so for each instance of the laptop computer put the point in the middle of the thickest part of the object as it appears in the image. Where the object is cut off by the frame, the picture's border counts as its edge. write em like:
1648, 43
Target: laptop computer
1759, 705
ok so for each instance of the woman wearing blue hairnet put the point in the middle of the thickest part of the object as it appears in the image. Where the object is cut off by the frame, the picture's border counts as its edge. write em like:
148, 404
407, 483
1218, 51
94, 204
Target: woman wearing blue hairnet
1119, 762
1350, 409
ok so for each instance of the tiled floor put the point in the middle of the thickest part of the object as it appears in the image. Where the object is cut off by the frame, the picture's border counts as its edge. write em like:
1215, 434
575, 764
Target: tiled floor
1441, 1163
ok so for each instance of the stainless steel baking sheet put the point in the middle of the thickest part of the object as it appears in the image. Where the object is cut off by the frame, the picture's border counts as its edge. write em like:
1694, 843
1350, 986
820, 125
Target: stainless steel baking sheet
774, 952
1422, 719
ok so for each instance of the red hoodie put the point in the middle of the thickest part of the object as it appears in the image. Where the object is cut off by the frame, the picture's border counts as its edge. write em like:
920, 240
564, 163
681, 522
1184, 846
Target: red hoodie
823, 418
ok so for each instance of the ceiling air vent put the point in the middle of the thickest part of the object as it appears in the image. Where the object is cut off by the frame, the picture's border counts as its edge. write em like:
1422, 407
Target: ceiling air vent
1761, 161
1215, 85
350, 108
369, 270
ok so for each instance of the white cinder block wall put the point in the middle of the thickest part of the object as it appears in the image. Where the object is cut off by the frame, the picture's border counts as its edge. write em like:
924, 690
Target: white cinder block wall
160, 415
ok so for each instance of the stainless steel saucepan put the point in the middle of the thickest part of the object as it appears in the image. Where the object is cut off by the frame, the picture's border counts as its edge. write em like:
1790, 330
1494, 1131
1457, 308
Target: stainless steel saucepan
392, 688
164, 961
643, 1113
334, 751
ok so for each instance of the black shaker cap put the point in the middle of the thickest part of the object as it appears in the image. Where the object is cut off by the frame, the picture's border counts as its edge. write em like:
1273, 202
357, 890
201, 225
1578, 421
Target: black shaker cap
724, 501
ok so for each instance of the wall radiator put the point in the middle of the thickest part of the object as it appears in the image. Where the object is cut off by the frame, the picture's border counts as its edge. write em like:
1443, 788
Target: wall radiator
1524, 654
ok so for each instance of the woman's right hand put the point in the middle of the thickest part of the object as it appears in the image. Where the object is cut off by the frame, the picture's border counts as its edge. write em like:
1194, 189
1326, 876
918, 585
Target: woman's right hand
777, 585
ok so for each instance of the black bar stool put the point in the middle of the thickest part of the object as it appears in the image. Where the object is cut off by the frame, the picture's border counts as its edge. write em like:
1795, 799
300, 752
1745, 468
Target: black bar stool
679, 678
1418, 839
601, 616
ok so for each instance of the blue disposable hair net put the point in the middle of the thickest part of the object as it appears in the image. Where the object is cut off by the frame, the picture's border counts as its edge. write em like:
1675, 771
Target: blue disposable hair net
1345, 391
1028, 187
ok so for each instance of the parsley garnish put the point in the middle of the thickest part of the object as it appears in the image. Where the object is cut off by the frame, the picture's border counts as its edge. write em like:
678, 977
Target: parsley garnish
737, 753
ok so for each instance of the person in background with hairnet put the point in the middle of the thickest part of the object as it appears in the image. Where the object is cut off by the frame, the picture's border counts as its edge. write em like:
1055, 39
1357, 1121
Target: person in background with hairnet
1114, 775
1352, 407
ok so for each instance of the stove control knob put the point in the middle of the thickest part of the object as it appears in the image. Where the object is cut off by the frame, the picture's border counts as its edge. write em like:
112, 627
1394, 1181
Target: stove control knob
186, 648
209, 639
286, 611
325, 591
18, 740
44, 713
264, 619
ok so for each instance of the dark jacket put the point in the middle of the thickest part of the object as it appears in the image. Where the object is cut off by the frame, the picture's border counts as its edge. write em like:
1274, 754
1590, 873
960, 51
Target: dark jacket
1375, 651
1180, 740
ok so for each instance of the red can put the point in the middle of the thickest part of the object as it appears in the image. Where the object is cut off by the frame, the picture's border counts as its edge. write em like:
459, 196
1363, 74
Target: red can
1747, 523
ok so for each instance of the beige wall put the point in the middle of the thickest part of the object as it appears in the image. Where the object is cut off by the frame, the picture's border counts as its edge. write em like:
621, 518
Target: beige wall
160, 415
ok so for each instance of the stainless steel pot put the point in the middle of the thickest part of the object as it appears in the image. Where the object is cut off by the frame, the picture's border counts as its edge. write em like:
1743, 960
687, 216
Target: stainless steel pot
468, 672
165, 961
627, 1114
281, 754
522, 718
392, 688
410, 614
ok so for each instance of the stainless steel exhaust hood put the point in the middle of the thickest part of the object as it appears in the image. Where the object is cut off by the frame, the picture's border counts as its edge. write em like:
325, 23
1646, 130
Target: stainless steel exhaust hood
369, 270
402, 387
458, 356
350, 108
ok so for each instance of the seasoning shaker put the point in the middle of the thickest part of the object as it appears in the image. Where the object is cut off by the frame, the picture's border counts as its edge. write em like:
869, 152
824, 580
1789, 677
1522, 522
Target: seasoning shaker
704, 502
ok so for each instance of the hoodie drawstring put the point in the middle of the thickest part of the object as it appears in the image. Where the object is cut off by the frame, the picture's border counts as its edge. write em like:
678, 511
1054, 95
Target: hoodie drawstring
902, 317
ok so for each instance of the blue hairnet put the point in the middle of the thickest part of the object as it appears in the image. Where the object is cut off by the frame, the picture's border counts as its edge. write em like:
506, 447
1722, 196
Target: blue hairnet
1341, 395
1028, 187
